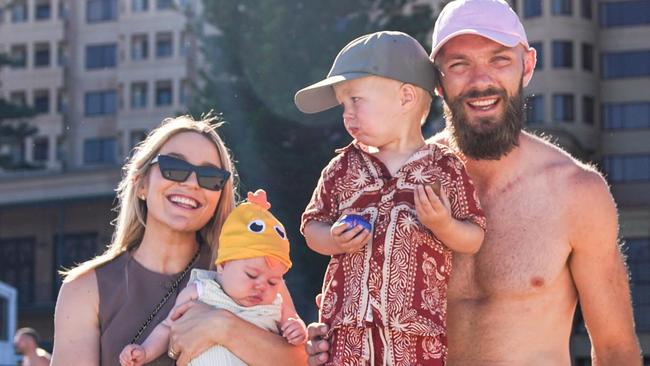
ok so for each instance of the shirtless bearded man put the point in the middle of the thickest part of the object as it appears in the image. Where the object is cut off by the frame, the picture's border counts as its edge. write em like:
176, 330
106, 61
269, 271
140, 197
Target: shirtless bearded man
552, 223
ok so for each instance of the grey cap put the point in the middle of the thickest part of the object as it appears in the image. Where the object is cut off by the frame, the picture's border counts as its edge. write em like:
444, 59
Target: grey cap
393, 55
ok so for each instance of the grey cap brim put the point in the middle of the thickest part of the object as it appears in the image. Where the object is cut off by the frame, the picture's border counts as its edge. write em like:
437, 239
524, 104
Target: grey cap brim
320, 96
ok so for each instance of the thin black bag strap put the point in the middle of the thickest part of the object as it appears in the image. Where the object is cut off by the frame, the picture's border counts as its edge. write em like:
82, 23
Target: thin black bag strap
169, 293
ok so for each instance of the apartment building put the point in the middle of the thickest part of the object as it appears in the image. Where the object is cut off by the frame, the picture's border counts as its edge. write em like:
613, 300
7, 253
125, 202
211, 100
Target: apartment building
100, 73
591, 91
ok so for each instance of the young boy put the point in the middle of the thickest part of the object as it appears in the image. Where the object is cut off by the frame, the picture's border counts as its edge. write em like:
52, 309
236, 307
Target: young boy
384, 292
253, 256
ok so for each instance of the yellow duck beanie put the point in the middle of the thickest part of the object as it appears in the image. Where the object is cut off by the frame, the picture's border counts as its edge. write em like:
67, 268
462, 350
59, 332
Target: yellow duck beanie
252, 231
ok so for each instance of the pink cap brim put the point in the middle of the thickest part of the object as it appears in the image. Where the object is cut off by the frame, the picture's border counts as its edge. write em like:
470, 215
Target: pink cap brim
508, 40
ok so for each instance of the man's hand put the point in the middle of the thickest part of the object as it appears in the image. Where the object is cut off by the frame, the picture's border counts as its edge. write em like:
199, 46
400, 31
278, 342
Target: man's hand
349, 239
317, 346
294, 331
434, 211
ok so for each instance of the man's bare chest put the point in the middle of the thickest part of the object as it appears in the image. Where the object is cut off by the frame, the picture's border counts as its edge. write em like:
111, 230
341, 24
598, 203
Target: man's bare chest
525, 248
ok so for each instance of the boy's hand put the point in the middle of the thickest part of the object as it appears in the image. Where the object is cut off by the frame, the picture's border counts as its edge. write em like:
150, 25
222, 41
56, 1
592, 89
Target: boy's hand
432, 210
349, 239
294, 330
132, 355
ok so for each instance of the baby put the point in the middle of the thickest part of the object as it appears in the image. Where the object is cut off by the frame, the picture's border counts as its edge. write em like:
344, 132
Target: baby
253, 256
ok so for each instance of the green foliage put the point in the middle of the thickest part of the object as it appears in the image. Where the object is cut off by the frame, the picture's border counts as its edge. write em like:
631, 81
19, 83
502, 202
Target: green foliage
13, 128
265, 51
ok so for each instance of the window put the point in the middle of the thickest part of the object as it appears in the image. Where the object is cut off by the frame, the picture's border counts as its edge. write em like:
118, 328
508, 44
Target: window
563, 107
626, 116
19, 56
137, 136
539, 47
139, 47
638, 261
163, 93
17, 266
41, 55
100, 150
586, 9
43, 10
139, 95
184, 94
624, 13
139, 5
61, 54
185, 44
63, 10
101, 10
561, 7
18, 97
562, 54
587, 57
164, 45
101, 56
40, 150
535, 109
532, 8
70, 250
19, 11
61, 101
100, 103
42, 101
627, 168
588, 106
625, 64
164, 4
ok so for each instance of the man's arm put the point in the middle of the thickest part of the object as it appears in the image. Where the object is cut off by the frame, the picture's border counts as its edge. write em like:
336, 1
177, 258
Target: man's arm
202, 326
599, 272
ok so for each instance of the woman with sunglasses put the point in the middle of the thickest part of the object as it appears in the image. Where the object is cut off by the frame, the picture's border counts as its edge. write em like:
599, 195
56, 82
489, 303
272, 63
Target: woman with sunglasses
175, 195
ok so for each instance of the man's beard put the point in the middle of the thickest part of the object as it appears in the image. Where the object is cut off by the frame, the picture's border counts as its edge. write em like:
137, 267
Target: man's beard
489, 139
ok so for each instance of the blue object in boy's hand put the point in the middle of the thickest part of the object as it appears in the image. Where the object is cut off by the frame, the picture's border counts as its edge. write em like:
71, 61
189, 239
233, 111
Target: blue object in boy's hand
354, 220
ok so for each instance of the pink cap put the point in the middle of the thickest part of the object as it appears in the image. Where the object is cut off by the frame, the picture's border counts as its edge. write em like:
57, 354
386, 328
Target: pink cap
493, 19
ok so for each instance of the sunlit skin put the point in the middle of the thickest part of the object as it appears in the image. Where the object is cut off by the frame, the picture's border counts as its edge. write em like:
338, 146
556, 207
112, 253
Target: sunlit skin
181, 208
470, 63
251, 281
374, 113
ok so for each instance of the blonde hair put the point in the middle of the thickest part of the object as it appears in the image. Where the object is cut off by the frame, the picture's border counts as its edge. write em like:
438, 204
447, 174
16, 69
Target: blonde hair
132, 212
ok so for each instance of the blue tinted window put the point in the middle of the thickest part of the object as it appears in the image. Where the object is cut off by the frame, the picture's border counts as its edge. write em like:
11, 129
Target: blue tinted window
164, 4
588, 106
587, 57
627, 64
623, 116
532, 8
163, 93
100, 150
563, 107
539, 48
624, 13
101, 56
586, 9
99, 103
562, 54
561, 7
101, 10
19, 11
627, 168
43, 10
638, 260
535, 109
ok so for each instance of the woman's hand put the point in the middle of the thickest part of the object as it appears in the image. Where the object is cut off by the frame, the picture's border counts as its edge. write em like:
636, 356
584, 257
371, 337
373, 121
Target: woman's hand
195, 327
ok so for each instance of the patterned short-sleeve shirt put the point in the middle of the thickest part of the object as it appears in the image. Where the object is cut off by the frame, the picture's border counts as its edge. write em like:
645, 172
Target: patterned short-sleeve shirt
402, 274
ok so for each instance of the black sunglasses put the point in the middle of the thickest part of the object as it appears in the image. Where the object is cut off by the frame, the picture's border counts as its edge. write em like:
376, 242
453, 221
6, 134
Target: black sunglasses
178, 170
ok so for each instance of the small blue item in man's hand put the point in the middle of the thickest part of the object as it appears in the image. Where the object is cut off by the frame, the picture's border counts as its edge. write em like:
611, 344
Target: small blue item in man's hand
354, 220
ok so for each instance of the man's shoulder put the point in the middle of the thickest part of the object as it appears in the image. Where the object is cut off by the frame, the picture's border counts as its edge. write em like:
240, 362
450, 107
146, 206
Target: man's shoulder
563, 168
